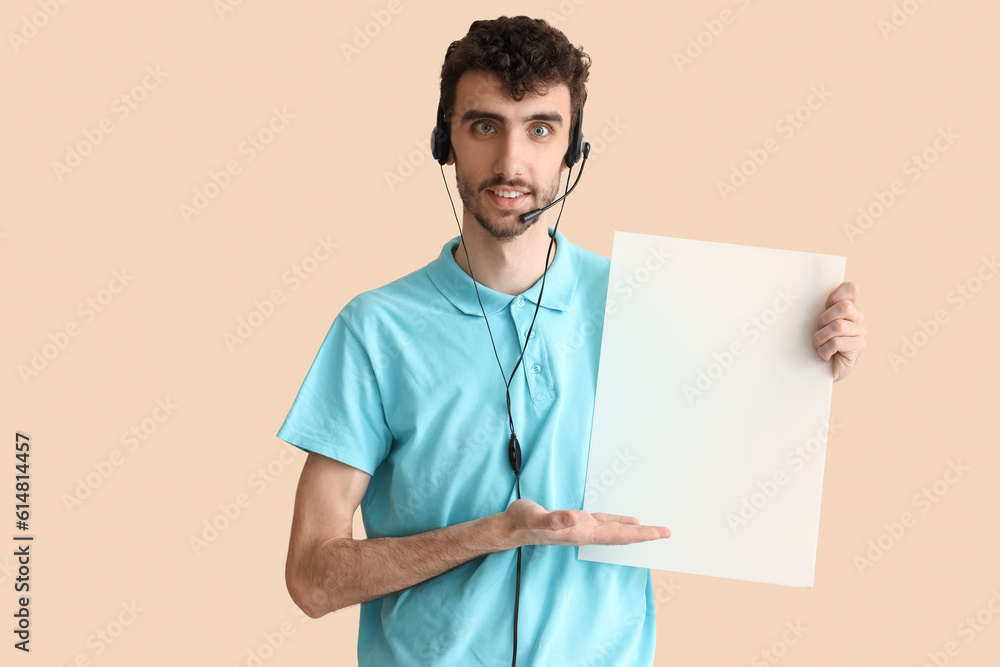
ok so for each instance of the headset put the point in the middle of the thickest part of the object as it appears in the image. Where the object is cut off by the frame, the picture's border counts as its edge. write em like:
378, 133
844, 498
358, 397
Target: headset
577, 149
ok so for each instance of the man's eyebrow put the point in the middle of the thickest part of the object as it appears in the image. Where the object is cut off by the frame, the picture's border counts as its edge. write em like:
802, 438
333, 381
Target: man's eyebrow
550, 116
477, 113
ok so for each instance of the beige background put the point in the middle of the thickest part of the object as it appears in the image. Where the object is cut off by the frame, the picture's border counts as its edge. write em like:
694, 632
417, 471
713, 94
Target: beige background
670, 135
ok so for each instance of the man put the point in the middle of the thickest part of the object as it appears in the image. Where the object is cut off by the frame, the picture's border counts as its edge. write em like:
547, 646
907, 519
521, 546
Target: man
404, 410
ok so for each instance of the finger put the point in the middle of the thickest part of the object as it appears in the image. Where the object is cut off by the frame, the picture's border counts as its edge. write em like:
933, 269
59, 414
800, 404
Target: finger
609, 533
848, 291
848, 347
538, 519
559, 520
838, 329
844, 309
618, 518
842, 367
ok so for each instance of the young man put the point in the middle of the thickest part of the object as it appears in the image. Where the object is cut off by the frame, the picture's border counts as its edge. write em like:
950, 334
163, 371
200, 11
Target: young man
404, 410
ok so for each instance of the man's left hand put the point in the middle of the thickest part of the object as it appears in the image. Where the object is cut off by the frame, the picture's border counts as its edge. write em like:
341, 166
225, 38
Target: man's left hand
842, 332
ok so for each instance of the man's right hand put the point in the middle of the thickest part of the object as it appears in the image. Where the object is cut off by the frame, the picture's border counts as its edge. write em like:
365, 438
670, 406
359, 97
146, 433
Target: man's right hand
533, 524
327, 569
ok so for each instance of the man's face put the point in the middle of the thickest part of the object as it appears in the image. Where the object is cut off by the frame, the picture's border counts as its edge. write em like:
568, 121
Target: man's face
508, 155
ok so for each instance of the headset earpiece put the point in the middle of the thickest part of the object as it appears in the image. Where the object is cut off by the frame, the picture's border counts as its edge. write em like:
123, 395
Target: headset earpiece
440, 138
575, 150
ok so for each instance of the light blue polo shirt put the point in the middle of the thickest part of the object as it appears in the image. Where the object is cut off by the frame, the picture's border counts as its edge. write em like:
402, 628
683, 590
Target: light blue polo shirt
407, 388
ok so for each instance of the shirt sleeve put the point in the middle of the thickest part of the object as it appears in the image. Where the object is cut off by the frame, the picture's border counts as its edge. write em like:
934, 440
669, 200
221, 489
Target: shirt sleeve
338, 411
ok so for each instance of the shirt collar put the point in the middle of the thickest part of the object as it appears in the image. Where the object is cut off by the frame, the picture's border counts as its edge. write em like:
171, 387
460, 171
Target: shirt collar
456, 285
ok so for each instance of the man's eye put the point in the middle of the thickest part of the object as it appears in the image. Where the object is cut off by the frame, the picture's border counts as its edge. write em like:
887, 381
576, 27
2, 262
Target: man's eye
484, 127
540, 131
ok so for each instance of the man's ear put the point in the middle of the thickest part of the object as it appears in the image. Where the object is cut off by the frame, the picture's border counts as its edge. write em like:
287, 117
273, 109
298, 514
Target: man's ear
451, 156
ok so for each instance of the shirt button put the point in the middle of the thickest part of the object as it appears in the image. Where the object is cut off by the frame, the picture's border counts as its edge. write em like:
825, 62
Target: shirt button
520, 302
530, 335
536, 368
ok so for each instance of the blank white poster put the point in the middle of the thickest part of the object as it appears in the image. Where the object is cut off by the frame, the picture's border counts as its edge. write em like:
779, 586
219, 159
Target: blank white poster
713, 406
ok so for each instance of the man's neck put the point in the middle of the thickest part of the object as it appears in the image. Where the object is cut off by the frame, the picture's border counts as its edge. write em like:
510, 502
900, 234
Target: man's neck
510, 266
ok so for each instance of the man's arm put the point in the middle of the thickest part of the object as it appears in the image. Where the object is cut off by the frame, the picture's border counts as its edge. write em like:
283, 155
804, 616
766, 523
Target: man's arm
327, 569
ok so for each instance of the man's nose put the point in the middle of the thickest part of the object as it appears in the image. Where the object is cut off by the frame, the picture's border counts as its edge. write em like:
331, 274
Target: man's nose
511, 155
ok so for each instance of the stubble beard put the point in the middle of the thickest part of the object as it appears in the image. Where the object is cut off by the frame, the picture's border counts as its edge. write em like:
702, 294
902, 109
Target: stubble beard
495, 227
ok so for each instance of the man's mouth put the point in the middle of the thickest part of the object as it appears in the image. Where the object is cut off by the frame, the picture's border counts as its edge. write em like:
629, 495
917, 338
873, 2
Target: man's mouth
507, 197
508, 194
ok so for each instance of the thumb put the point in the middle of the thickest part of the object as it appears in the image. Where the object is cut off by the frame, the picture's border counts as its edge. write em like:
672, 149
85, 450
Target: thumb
842, 365
561, 520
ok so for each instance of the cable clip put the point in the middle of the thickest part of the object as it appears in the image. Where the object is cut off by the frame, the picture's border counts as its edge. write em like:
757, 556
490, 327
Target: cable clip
514, 454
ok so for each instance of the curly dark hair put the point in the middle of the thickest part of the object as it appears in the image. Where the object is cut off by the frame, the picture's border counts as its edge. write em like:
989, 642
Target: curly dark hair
528, 55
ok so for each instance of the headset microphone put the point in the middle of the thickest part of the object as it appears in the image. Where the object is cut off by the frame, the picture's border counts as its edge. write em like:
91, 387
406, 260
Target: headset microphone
530, 216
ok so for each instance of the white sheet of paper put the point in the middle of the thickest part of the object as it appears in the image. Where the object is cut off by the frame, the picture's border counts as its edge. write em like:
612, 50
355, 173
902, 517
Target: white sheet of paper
712, 408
